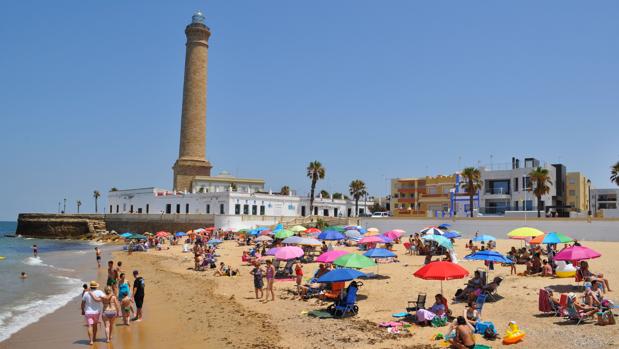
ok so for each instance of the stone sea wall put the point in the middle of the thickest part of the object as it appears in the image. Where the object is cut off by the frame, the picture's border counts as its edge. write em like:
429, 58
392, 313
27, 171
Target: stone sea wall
60, 226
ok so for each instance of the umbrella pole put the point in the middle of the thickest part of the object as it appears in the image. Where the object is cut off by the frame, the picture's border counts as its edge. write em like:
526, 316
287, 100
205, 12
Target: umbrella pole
442, 288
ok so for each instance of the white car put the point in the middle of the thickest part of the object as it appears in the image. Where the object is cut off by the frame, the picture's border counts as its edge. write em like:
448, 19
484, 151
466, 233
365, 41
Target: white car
380, 214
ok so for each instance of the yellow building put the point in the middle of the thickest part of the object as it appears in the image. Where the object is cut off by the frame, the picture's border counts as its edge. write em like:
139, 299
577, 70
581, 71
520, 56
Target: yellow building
417, 196
576, 189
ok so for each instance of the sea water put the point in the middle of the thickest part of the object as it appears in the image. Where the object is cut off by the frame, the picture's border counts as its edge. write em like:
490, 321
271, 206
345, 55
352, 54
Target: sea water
54, 278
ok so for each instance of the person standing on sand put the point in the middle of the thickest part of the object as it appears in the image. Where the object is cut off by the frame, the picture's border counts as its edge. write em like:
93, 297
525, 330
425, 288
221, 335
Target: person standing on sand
91, 309
111, 309
270, 275
98, 253
138, 295
123, 286
298, 272
111, 275
258, 283
35, 251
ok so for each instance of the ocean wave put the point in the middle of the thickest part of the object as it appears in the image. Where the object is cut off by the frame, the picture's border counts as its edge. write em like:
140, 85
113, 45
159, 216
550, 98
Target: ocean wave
96, 243
37, 261
22, 315
80, 252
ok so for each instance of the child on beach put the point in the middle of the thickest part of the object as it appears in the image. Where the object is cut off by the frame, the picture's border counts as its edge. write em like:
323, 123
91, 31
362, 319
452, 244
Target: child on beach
298, 272
126, 305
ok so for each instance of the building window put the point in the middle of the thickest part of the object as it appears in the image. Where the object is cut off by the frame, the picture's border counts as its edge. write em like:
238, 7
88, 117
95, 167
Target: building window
245, 209
208, 208
361, 212
178, 208
302, 211
516, 184
111, 210
325, 212
572, 181
168, 208
262, 210
572, 192
186, 208
315, 211
515, 205
254, 210
221, 208
147, 208
350, 212
139, 210
117, 208
131, 209
237, 209
335, 212
527, 184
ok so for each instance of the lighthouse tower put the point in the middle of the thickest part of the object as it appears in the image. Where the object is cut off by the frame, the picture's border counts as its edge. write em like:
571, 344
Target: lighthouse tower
191, 160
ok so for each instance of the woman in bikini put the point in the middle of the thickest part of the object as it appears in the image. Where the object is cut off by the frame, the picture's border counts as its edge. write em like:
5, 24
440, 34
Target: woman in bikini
270, 276
111, 309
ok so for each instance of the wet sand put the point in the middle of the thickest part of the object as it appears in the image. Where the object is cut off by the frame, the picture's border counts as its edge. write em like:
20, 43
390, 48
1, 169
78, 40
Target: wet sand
188, 309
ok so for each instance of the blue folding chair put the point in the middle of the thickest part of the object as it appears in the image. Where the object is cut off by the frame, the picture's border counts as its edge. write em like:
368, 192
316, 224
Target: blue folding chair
348, 305
480, 301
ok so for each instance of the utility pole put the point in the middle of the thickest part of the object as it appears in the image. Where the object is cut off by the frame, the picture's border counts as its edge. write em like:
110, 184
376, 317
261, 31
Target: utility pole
64, 206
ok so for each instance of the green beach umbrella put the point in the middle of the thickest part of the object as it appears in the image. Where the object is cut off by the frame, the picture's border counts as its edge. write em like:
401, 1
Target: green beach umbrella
298, 228
355, 261
283, 233
339, 228
137, 236
555, 238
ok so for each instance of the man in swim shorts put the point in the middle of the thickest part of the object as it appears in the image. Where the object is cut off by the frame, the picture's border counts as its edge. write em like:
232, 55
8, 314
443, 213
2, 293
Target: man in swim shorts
111, 275
98, 253
138, 295
91, 310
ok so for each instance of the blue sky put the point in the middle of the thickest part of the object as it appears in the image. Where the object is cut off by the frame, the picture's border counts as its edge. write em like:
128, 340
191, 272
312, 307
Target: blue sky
90, 92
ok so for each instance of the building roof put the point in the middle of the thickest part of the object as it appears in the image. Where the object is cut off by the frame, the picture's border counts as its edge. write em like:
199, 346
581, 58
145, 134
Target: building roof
228, 179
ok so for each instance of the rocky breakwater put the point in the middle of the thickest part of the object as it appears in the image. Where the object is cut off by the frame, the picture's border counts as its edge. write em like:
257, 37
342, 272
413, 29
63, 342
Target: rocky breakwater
60, 226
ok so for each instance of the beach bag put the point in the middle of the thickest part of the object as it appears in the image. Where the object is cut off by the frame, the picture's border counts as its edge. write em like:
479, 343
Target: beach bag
486, 329
439, 321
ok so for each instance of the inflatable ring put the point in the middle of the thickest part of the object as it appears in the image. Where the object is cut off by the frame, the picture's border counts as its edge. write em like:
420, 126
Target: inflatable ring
514, 338
566, 274
2, 257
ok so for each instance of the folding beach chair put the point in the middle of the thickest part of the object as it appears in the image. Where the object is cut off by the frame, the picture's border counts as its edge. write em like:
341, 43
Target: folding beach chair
348, 305
480, 301
491, 288
573, 313
420, 303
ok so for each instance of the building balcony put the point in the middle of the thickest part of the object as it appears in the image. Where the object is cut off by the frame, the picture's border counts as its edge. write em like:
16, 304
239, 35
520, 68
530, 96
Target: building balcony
406, 200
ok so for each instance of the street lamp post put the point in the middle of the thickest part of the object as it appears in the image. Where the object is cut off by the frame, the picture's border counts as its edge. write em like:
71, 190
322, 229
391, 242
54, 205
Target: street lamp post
589, 196
64, 206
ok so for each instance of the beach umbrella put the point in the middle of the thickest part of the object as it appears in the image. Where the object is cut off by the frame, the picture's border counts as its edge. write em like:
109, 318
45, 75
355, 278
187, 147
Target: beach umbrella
292, 240
576, 253
338, 228
214, 241
362, 230
537, 240
453, 234
431, 231
353, 234
484, 238
125, 235
441, 271
288, 252
331, 235
444, 226
263, 238
339, 275
278, 227
298, 228
266, 232
401, 231
147, 233
330, 256
353, 260
440, 240
262, 228
244, 230
488, 255
162, 234
253, 232
523, 233
379, 253
373, 239
556, 238
137, 237
353, 227
373, 231
271, 251
312, 230
309, 242
180, 233
392, 234
385, 239
283, 233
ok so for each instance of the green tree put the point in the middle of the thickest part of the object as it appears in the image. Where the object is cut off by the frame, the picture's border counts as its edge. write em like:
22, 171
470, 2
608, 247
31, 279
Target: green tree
285, 190
338, 196
614, 173
541, 177
357, 189
324, 194
96, 195
315, 172
471, 184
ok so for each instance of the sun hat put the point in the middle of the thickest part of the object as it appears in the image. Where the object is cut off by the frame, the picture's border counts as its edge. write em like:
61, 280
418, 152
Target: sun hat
94, 284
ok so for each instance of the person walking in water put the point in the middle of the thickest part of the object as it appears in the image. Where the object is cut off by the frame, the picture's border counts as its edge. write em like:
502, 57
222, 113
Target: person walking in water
111, 309
138, 295
35, 251
98, 253
91, 309
111, 275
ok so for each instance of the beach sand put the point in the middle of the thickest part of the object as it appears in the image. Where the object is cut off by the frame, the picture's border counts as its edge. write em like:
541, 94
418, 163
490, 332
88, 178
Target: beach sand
188, 309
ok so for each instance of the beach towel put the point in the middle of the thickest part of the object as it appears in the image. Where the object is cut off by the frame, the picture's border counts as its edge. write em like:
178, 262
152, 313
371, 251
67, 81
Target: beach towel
320, 314
544, 301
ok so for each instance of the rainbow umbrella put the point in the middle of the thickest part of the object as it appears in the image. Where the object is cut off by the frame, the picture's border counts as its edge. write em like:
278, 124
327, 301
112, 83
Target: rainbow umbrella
556, 238
330, 256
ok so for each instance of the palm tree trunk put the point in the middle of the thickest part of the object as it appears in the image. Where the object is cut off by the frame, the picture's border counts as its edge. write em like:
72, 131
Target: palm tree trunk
539, 202
471, 204
96, 206
311, 213
357, 207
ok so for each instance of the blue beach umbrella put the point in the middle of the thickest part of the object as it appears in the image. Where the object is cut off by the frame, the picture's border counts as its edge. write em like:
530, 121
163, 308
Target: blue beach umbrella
386, 239
262, 228
180, 233
379, 253
452, 234
444, 226
293, 240
353, 234
254, 232
214, 242
362, 230
556, 238
488, 255
331, 235
341, 274
484, 238
126, 235
440, 240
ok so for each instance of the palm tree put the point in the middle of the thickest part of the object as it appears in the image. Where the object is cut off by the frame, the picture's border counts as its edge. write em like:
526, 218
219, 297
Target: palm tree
357, 189
96, 195
79, 203
285, 190
324, 194
541, 178
471, 184
614, 173
315, 171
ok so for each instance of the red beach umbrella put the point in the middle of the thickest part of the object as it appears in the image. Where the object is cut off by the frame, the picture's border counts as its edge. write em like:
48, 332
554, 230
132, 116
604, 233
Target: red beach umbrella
313, 230
441, 271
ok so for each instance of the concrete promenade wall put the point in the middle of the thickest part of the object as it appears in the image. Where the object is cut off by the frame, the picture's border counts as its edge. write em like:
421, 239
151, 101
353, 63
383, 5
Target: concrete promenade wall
140, 223
598, 229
